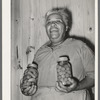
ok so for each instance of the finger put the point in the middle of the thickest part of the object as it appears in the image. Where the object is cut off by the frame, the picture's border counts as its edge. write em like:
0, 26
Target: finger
59, 88
71, 87
27, 84
64, 88
71, 80
24, 86
27, 89
32, 75
33, 71
61, 85
25, 72
25, 93
34, 90
31, 89
21, 82
32, 80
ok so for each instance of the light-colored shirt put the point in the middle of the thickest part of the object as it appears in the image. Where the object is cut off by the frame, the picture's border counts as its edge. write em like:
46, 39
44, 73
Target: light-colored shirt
80, 55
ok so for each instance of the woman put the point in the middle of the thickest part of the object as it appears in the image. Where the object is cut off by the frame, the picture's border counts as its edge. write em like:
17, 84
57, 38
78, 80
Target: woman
57, 24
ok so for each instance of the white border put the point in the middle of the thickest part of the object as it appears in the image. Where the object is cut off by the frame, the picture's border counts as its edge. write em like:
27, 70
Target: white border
6, 50
6, 44
96, 50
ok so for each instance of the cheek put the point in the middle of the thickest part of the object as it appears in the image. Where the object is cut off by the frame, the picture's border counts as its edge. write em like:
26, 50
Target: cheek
63, 28
47, 30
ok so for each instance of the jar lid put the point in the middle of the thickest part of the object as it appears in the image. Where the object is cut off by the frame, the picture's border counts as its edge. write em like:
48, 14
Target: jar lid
34, 65
63, 58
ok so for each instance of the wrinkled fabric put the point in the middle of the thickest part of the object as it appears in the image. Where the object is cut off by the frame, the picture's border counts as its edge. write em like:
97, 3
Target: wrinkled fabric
81, 59
50, 94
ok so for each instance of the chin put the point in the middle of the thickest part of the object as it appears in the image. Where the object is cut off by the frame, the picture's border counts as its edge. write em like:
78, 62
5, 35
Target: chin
55, 41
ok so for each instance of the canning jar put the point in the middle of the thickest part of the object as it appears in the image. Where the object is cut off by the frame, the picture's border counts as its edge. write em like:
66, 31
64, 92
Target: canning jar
64, 70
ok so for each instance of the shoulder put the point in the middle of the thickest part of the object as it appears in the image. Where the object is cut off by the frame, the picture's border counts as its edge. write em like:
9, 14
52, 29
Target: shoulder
75, 43
78, 45
81, 47
42, 48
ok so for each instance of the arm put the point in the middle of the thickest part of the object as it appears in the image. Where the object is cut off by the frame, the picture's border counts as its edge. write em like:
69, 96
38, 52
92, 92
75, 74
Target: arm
88, 60
76, 85
86, 83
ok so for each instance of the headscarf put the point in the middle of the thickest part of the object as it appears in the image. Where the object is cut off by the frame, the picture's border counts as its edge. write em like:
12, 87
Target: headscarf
63, 12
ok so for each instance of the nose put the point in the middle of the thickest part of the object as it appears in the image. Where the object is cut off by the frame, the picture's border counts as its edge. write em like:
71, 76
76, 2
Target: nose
53, 24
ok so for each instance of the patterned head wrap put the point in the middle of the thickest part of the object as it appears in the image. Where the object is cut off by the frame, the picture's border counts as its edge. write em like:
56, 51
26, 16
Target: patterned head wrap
63, 12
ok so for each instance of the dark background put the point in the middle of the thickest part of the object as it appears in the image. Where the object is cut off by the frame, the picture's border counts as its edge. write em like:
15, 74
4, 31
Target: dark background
98, 48
0, 49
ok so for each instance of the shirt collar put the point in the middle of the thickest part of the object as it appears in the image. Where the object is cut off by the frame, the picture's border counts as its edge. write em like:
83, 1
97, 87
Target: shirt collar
64, 43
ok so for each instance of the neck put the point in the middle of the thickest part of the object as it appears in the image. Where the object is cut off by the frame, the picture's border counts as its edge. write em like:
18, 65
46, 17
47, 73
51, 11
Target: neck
52, 44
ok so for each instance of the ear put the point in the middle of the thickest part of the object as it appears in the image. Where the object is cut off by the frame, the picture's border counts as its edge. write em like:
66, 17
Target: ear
66, 28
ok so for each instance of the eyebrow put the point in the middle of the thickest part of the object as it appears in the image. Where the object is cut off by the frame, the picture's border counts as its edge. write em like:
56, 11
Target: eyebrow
56, 18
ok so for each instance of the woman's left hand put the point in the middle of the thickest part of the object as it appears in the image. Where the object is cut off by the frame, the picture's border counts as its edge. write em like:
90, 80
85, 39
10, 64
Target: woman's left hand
74, 83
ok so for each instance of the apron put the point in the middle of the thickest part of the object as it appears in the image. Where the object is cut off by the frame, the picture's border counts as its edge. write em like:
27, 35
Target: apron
49, 93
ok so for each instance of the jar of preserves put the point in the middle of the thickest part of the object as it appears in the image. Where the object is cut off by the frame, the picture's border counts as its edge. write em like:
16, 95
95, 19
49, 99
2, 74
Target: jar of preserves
64, 70
32, 72
28, 83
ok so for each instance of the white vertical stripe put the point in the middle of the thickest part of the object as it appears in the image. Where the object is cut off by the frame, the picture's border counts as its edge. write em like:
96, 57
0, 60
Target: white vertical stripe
6, 41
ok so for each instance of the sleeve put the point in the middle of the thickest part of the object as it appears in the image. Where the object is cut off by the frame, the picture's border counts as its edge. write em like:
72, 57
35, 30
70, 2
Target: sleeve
88, 60
35, 57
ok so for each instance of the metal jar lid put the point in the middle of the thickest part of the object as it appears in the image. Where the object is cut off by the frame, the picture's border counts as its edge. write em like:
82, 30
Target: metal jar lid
34, 65
63, 58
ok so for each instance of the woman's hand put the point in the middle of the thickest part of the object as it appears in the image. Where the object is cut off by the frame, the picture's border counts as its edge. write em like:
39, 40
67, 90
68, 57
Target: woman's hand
74, 84
67, 89
60, 87
28, 87
28, 84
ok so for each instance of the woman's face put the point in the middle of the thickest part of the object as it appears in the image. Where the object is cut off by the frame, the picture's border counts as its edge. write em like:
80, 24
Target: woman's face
55, 28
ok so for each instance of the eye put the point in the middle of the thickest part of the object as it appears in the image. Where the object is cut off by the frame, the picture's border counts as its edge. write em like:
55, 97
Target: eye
55, 22
48, 23
59, 21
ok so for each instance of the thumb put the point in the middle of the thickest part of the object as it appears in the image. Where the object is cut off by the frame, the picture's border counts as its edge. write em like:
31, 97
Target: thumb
71, 80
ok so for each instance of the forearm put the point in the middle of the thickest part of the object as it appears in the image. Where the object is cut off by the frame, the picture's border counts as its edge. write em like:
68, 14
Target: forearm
86, 83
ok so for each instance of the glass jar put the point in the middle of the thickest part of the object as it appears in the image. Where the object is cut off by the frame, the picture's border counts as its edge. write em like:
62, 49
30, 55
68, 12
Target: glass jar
32, 72
64, 70
29, 81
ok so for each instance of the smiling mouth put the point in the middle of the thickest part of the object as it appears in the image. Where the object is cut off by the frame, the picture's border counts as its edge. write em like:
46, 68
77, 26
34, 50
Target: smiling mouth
54, 34
54, 30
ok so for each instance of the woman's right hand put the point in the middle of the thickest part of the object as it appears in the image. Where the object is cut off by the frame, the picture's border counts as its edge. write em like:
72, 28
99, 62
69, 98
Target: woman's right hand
28, 87
28, 84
